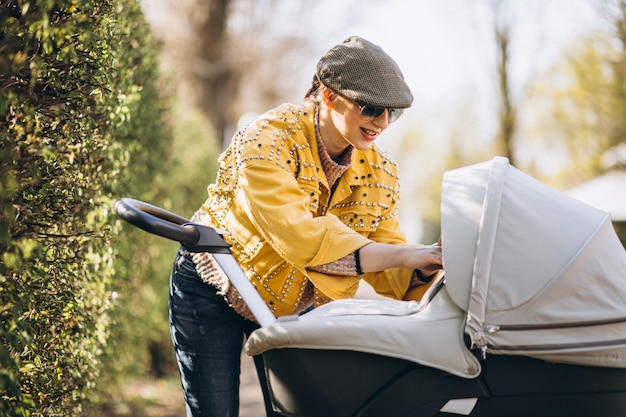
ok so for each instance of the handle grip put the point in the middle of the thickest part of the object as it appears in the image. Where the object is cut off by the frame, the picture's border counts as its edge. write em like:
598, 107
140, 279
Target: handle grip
155, 220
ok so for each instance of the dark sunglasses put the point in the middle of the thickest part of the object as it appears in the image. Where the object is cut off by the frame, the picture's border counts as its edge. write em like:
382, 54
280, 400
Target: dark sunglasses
370, 113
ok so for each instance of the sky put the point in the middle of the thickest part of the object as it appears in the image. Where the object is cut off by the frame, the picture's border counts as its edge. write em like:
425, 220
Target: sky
447, 53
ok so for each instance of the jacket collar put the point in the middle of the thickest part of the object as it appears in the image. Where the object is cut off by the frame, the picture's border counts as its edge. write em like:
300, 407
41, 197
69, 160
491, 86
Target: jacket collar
359, 173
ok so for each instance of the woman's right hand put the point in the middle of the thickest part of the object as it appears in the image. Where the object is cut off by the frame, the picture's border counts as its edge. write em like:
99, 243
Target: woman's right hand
428, 259
381, 256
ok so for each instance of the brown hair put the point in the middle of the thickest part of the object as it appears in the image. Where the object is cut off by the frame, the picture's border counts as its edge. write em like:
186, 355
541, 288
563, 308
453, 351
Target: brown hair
312, 95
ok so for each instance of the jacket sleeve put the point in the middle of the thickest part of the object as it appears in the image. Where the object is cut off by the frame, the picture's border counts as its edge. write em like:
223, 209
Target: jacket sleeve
393, 283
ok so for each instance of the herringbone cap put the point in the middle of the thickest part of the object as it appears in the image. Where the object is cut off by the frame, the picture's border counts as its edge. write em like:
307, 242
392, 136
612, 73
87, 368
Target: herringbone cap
363, 72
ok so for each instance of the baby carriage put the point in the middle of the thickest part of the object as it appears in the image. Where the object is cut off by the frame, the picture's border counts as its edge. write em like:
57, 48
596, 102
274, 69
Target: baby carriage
529, 318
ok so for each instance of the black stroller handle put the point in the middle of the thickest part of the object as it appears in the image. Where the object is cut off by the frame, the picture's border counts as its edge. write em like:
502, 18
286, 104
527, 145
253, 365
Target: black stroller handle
152, 219
195, 238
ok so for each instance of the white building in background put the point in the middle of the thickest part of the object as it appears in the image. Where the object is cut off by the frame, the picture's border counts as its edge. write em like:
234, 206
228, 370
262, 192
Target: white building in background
608, 192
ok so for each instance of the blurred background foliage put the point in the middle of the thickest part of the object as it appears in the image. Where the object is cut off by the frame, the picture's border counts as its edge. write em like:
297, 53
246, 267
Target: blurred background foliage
96, 104
83, 122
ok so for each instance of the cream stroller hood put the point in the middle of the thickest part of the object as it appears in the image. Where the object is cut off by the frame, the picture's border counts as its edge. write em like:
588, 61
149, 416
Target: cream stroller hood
539, 273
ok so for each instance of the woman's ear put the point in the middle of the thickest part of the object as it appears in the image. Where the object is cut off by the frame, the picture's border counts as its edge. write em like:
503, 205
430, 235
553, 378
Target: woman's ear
328, 96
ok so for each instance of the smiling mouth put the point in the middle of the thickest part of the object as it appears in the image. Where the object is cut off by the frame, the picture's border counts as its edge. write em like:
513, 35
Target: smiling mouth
370, 132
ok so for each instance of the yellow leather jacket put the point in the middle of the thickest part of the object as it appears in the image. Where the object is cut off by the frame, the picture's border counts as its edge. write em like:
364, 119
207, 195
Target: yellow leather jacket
273, 198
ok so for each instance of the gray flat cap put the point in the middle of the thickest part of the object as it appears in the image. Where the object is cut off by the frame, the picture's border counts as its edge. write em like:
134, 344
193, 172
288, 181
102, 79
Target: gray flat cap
363, 72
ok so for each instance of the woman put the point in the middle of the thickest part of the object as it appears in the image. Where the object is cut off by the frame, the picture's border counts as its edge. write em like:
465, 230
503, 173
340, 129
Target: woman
310, 206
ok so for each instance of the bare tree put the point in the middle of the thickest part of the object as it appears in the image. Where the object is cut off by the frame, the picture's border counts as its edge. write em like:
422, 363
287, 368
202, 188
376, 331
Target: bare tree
514, 48
508, 111
213, 74
615, 13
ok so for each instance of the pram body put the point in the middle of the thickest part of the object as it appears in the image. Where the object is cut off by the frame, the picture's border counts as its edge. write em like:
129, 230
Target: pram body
529, 319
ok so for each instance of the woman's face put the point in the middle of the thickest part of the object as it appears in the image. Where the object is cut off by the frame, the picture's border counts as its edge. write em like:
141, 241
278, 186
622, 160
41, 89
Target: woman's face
347, 126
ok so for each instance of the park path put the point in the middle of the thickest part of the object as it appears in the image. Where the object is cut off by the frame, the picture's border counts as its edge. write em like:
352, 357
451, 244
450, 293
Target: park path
251, 401
163, 397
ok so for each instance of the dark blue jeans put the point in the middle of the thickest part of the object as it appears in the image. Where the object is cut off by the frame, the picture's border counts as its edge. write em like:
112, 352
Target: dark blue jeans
208, 338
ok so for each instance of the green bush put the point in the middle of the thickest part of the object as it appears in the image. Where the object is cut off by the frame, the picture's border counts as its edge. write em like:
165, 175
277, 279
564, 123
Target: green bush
82, 123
